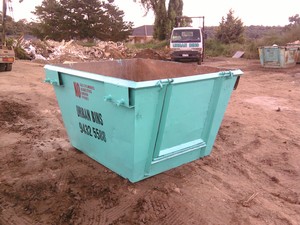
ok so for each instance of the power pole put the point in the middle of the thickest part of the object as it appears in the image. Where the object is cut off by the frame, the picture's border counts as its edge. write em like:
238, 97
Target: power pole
3, 22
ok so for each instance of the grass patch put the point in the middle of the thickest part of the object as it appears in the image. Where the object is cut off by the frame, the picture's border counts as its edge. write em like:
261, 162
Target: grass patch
250, 46
153, 44
215, 48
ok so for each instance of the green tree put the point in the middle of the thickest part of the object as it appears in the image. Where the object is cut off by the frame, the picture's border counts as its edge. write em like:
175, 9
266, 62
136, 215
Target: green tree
14, 28
9, 25
68, 19
117, 29
174, 10
294, 24
292, 30
160, 23
294, 20
230, 29
164, 18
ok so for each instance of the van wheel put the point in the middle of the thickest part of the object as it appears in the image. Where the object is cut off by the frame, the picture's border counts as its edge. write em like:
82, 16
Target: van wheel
2, 67
8, 67
199, 60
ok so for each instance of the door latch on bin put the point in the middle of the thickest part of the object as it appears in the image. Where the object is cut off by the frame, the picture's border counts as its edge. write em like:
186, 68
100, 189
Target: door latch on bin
53, 77
53, 82
118, 95
162, 83
120, 102
226, 73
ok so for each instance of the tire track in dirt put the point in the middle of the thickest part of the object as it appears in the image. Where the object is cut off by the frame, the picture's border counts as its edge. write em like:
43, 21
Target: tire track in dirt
154, 206
9, 216
100, 211
241, 167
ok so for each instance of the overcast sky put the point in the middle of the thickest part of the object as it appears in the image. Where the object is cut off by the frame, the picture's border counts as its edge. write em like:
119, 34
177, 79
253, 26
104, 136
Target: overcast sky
254, 12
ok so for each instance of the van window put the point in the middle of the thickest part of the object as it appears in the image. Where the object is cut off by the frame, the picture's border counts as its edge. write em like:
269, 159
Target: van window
186, 35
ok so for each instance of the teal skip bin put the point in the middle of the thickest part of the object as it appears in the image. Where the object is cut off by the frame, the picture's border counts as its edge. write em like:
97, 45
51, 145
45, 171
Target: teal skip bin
277, 56
140, 117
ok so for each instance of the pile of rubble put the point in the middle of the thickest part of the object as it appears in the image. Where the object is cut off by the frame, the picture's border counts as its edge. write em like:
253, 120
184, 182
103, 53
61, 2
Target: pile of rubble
59, 52
294, 43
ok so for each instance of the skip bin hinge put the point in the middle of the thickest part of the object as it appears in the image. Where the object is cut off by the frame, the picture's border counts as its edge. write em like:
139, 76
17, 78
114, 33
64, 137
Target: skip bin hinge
53, 77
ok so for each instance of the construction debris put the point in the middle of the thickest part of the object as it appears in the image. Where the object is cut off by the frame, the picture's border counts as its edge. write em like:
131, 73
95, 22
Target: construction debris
294, 43
50, 51
58, 52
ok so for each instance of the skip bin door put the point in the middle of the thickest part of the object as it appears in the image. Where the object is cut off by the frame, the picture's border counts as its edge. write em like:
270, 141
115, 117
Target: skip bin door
181, 119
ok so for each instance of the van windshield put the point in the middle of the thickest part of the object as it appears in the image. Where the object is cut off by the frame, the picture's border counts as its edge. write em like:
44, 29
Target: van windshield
186, 35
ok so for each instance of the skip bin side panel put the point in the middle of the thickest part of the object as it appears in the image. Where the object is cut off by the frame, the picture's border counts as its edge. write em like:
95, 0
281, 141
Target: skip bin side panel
290, 57
193, 119
223, 88
99, 128
297, 54
185, 114
271, 57
183, 118
158, 130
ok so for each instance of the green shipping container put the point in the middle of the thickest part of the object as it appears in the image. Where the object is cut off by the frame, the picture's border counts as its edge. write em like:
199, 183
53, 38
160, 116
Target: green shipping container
140, 117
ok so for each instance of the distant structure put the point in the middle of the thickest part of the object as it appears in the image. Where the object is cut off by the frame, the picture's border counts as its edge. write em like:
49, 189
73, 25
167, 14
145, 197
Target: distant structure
141, 34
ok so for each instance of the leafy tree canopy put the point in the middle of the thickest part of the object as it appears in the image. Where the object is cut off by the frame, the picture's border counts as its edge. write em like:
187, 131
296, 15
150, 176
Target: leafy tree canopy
164, 17
294, 20
69, 19
230, 29
14, 28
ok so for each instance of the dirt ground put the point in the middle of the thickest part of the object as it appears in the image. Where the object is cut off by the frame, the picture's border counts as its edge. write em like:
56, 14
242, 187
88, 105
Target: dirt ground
251, 177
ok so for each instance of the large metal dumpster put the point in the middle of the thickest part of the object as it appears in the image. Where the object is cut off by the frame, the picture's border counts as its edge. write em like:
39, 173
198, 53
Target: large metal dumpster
277, 56
140, 117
